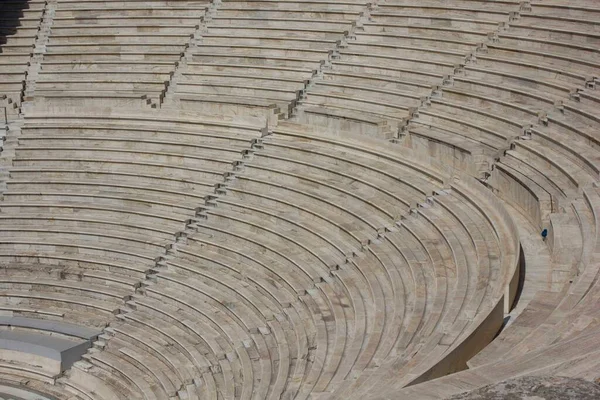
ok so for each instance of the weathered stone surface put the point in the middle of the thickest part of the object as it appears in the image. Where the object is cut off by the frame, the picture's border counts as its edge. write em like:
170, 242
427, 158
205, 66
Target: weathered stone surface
535, 388
312, 199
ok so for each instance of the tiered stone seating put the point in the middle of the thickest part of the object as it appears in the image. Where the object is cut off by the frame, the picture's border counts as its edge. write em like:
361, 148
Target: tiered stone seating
466, 119
390, 68
549, 177
96, 199
565, 104
119, 53
19, 24
365, 248
278, 46
92, 202
306, 269
553, 335
23, 387
561, 33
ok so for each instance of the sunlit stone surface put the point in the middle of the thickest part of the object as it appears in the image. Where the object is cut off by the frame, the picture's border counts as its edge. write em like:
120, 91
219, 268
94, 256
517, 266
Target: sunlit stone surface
297, 199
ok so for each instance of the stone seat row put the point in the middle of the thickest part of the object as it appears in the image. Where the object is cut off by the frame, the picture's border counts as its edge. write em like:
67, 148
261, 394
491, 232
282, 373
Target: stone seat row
560, 89
103, 246
126, 29
566, 127
535, 71
566, 9
545, 308
374, 51
507, 36
254, 324
542, 13
18, 27
307, 242
552, 335
562, 55
325, 7
541, 163
287, 35
130, 11
562, 171
418, 39
34, 382
285, 10
214, 54
577, 35
473, 4
219, 78
99, 44
72, 4
464, 97
119, 233
116, 79
109, 37
79, 304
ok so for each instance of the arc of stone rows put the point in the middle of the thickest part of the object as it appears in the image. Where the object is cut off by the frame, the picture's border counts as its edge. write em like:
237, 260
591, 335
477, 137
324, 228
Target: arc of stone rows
180, 238
468, 58
13, 127
333, 54
170, 250
471, 58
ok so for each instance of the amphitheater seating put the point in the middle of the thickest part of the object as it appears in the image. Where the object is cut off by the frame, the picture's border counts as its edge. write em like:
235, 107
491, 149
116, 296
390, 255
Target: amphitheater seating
406, 47
76, 204
553, 335
122, 53
297, 199
278, 47
260, 300
555, 189
19, 26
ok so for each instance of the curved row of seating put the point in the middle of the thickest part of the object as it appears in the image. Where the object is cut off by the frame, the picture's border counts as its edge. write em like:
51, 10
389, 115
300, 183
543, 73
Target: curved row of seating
404, 51
92, 201
546, 172
316, 261
464, 121
347, 253
554, 334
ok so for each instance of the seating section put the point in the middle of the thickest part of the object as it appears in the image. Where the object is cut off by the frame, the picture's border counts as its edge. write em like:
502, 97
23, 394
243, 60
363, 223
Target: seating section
93, 200
555, 334
397, 58
297, 199
540, 72
315, 261
121, 53
19, 25
256, 57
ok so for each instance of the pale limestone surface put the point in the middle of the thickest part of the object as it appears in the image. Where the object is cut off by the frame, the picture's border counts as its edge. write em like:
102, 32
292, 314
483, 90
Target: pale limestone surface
546, 388
302, 199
